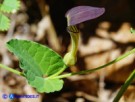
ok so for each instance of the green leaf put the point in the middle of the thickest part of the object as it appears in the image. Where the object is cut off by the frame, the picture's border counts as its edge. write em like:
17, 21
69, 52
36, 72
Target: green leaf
47, 85
4, 22
9, 5
40, 64
132, 30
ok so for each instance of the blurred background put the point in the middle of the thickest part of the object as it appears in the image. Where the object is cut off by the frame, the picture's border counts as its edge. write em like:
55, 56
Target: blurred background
102, 40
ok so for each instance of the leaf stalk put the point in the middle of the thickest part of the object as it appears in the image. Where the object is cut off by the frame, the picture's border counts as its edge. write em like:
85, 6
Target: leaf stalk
11, 70
97, 68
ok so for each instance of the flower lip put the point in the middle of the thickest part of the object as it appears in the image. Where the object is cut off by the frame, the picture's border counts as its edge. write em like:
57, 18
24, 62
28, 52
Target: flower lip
80, 14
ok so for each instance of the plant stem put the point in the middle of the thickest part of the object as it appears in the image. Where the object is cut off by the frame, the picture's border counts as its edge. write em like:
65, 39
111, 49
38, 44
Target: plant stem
56, 74
125, 86
100, 67
11, 70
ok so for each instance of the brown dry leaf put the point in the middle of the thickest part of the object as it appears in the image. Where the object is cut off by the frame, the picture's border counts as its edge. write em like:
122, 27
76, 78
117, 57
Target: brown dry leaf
4, 89
123, 35
85, 83
3, 51
28, 90
102, 29
95, 45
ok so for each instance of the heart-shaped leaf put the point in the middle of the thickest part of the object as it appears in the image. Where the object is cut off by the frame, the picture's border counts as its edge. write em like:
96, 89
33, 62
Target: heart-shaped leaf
38, 62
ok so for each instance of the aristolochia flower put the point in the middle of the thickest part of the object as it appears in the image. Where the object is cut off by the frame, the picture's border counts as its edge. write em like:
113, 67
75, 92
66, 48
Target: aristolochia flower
75, 16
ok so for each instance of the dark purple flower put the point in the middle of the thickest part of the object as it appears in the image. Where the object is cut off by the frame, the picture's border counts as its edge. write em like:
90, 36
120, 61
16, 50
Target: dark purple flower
80, 14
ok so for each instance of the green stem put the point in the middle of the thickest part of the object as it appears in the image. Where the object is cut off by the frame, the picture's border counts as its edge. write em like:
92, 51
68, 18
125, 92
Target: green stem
125, 86
11, 69
100, 67
56, 74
